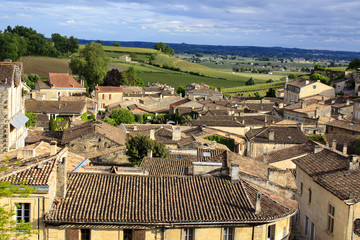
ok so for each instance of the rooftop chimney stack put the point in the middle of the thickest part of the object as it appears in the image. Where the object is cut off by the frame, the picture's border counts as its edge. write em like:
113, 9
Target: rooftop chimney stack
258, 203
152, 134
53, 148
353, 163
317, 149
149, 153
347, 102
61, 175
176, 134
333, 144
135, 128
271, 134
345, 149
316, 112
235, 173
303, 104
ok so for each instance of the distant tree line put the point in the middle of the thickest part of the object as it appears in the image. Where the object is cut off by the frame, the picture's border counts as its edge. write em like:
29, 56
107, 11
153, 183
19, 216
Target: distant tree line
22, 41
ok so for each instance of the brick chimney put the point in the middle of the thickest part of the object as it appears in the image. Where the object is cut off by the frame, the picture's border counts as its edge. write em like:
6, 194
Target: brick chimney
176, 134
353, 163
53, 148
271, 134
345, 149
152, 134
235, 173
61, 176
258, 203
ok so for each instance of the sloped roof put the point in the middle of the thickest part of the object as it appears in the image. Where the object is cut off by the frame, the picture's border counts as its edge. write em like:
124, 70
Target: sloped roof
352, 126
7, 72
166, 166
109, 89
161, 199
301, 82
63, 80
287, 134
329, 170
55, 107
115, 134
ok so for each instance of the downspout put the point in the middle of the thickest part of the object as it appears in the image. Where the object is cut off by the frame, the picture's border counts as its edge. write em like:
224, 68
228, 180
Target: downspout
38, 218
253, 231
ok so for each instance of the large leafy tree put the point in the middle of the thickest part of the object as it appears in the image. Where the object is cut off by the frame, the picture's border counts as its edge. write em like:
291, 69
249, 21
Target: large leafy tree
128, 78
90, 64
138, 146
354, 64
162, 47
122, 115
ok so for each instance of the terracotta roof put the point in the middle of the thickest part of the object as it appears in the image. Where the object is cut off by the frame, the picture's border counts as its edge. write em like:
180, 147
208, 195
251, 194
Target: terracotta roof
308, 108
115, 134
180, 102
212, 155
153, 199
288, 153
7, 72
55, 107
287, 135
132, 89
329, 170
43, 85
63, 80
301, 82
167, 166
46, 136
108, 89
352, 126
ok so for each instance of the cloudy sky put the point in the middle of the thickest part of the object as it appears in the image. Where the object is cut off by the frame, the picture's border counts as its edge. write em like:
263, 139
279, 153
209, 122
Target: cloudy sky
321, 24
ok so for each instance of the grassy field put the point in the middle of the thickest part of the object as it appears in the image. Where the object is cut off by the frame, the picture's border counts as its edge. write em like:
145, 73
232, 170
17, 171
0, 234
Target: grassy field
43, 65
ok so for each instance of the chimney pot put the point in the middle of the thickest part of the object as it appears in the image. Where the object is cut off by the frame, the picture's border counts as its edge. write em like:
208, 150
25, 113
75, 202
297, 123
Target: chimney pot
53, 148
271, 134
333, 144
265, 158
152, 134
353, 163
149, 153
176, 134
317, 149
61, 176
345, 149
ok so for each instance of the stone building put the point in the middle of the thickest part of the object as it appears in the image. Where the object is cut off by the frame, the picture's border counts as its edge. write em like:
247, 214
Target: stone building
58, 84
106, 95
328, 195
301, 88
12, 111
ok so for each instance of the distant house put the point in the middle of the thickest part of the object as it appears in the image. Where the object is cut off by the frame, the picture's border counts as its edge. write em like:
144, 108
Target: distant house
125, 58
58, 84
302, 88
106, 95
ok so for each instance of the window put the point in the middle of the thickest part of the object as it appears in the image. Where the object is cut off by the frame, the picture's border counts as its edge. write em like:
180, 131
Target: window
127, 234
22, 212
109, 96
228, 234
271, 232
85, 234
310, 193
103, 96
331, 214
301, 187
188, 234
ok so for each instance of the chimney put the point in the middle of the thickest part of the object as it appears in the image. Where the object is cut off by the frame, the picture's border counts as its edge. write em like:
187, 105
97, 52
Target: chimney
316, 112
303, 104
265, 158
149, 153
307, 82
176, 134
301, 126
347, 102
213, 144
333, 144
258, 203
317, 149
135, 128
152, 134
281, 105
265, 118
345, 149
353, 163
53, 148
243, 121
25, 153
235, 173
332, 101
61, 176
271, 134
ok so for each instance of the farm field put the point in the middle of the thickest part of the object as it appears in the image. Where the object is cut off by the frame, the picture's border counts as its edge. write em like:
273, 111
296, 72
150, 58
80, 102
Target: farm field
43, 65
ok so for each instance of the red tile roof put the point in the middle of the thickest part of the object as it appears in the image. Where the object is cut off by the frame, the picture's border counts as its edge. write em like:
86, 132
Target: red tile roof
148, 200
63, 80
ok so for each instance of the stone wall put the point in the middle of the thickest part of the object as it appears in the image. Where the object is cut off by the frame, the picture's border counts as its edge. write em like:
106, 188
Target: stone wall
91, 143
4, 122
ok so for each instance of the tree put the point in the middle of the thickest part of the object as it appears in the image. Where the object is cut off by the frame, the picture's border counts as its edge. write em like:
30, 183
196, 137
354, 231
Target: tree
122, 115
31, 80
162, 47
116, 44
9, 227
114, 78
271, 93
270, 81
250, 82
52, 124
292, 76
322, 78
90, 64
32, 119
181, 89
110, 121
354, 64
138, 146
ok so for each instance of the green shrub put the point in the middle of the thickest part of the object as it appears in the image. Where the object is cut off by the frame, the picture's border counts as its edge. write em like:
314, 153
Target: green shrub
223, 140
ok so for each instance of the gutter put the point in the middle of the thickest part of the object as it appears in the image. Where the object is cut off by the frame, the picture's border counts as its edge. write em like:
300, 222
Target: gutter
173, 224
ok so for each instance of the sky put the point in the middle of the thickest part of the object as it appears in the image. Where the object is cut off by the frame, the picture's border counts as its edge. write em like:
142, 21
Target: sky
308, 24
